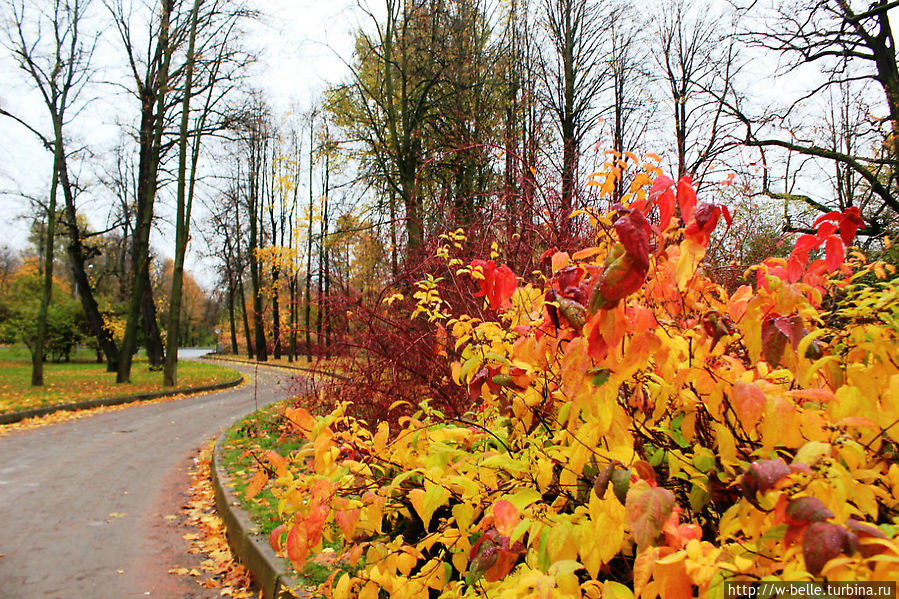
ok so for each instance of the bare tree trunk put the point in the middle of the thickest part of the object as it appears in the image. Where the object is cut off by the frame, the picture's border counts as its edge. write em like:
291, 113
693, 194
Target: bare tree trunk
182, 217
37, 353
309, 234
141, 244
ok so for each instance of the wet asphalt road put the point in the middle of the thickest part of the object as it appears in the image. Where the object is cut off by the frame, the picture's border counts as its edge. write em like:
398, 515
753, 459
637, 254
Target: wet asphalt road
83, 504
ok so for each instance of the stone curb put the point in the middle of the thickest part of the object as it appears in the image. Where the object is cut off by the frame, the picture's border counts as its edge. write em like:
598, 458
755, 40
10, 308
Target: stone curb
12, 417
250, 548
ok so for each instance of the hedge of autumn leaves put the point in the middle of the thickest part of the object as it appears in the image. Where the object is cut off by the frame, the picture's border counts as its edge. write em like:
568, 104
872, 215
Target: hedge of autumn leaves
638, 431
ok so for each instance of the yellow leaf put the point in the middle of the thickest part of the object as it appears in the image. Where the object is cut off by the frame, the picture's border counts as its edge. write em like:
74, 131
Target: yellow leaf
428, 500
616, 590
561, 544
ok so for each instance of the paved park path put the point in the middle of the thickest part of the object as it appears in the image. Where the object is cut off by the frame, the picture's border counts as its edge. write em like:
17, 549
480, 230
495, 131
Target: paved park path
83, 504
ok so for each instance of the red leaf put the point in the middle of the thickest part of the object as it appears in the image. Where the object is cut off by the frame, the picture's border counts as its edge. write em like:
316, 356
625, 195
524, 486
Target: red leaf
498, 284
834, 252
633, 231
485, 284
822, 542
666, 208
825, 230
505, 561
686, 198
647, 509
727, 217
703, 224
620, 279
806, 243
569, 276
796, 267
661, 184
761, 476
833, 215
773, 342
506, 283
804, 510
852, 221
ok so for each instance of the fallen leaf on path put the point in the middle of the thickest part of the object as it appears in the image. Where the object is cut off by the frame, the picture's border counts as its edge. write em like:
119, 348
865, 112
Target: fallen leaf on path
219, 570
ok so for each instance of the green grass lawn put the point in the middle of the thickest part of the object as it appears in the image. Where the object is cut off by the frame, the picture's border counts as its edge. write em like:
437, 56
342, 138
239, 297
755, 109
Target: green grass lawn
20, 353
85, 380
253, 436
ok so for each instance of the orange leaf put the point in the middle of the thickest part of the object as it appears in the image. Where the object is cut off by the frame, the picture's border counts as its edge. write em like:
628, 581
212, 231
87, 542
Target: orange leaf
256, 484
749, 403
347, 521
302, 420
297, 547
505, 517
274, 539
277, 462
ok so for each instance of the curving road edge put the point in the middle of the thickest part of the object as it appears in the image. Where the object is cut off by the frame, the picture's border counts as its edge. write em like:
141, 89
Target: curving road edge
12, 417
250, 548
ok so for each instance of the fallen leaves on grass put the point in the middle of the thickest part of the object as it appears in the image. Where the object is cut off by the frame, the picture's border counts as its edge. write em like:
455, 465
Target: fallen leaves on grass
65, 416
79, 381
218, 570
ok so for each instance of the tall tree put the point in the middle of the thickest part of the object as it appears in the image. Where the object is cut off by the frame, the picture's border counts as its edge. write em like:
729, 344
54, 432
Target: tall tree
50, 47
850, 43
629, 112
573, 76
253, 126
152, 86
184, 204
389, 104
696, 60
211, 72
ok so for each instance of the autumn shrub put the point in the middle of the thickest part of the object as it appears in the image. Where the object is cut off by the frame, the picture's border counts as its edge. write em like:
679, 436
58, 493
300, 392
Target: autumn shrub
389, 357
637, 429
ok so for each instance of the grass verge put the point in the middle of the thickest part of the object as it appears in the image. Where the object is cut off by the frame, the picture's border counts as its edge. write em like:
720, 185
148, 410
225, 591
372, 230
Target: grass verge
82, 381
245, 444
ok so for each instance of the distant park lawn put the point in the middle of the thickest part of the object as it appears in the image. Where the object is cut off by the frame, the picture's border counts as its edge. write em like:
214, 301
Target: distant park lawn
83, 380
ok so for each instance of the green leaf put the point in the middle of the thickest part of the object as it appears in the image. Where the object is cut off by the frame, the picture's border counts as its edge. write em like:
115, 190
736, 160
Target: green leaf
600, 376
699, 497
519, 531
704, 459
776, 533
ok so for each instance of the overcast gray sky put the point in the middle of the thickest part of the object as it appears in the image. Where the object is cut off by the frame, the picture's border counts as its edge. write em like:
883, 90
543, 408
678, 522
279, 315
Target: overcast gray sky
301, 45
